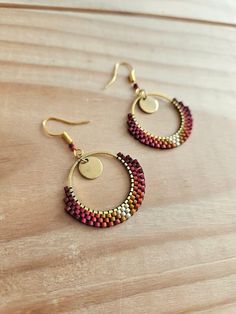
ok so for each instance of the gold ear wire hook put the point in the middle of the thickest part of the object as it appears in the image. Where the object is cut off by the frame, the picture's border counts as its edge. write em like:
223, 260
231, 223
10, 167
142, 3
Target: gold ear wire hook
131, 76
64, 135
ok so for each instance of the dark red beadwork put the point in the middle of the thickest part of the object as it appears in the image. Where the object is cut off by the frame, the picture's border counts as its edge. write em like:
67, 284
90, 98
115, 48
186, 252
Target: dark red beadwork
164, 142
116, 215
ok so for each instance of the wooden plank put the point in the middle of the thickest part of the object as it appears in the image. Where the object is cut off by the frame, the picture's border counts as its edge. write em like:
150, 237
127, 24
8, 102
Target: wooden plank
222, 12
177, 254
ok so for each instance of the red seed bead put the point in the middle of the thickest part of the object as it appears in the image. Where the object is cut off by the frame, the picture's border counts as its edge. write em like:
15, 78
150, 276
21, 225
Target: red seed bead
66, 200
77, 211
135, 86
66, 188
72, 146
104, 225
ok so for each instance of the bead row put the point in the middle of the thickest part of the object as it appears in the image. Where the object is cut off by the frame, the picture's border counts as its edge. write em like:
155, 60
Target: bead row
117, 215
164, 142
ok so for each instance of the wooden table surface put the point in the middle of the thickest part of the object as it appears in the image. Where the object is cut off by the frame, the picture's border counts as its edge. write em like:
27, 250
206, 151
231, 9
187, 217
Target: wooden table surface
178, 253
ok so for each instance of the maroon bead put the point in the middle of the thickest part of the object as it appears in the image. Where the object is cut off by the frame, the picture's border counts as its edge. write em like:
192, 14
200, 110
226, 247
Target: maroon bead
135, 86
77, 211
72, 147
66, 200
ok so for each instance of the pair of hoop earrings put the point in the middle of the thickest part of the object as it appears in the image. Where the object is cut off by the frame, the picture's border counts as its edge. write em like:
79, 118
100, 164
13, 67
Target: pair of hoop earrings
91, 167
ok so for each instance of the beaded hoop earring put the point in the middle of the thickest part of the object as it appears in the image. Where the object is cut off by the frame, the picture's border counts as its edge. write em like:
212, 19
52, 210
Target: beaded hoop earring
90, 167
148, 103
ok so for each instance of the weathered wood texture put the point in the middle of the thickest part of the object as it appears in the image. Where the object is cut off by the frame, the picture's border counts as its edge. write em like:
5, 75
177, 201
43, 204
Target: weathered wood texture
216, 11
178, 253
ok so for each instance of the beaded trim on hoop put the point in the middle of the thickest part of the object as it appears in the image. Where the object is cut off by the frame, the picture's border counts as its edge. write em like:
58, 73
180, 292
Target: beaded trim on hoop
117, 215
164, 142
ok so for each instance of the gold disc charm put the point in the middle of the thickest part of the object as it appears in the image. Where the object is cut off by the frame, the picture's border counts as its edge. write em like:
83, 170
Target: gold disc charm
91, 168
149, 104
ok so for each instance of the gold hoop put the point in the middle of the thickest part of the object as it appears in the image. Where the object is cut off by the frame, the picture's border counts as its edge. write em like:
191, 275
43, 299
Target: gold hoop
162, 142
118, 214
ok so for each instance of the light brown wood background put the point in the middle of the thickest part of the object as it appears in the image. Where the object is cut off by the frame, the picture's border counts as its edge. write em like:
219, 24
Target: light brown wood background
178, 253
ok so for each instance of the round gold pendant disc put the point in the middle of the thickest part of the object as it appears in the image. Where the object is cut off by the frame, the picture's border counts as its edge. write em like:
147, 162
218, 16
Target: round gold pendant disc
149, 104
91, 169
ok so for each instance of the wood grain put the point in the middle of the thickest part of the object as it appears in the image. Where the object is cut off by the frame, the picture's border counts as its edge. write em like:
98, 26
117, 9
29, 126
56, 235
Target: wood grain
178, 254
217, 11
